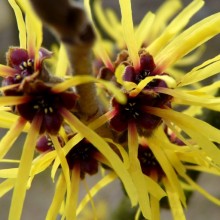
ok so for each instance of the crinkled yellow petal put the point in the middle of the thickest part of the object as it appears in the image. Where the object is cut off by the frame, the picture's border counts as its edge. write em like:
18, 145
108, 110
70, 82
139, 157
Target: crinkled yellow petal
163, 15
20, 24
157, 191
102, 20
116, 24
201, 190
178, 23
71, 203
203, 137
193, 111
154, 203
6, 71
99, 48
187, 41
178, 132
138, 214
104, 149
192, 58
8, 87
115, 91
102, 120
78, 137
11, 136
31, 36
5, 108
210, 89
91, 201
128, 30
95, 189
122, 151
101, 53
62, 62
34, 30
144, 29
24, 171
203, 71
9, 161
171, 83
13, 100
6, 186
74, 81
207, 169
119, 72
136, 172
58, 197
10, 173
40, 164
156, 146
176, 163
63, 162
192, 98
78, 80
7, 119
175, 204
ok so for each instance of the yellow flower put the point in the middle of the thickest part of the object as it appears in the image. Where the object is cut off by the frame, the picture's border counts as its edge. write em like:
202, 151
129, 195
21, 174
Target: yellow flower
151, 143
40, 103
143, 71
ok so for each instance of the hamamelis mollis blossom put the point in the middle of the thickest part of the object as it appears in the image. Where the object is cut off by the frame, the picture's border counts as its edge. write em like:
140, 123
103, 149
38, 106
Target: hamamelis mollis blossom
143, 71
148, 144
39, 103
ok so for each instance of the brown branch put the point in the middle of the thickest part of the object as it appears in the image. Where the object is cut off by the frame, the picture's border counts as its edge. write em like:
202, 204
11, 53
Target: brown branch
70, 24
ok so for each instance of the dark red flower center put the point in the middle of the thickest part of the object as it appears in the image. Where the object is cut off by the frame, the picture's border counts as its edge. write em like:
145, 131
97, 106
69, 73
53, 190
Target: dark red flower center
83, 155
142, 75
148, 162
131, 109
44, 144
46, 104
135, 109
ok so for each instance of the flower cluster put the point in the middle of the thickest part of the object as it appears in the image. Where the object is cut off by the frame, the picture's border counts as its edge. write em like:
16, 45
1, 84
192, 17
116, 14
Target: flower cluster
119, 111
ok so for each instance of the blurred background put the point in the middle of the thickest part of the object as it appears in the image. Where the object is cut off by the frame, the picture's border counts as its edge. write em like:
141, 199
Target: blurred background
40, 195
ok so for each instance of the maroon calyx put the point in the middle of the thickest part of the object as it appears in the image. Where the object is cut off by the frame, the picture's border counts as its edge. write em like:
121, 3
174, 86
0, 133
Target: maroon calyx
83, 155
46, 104
133, 112
24, 65
149, 164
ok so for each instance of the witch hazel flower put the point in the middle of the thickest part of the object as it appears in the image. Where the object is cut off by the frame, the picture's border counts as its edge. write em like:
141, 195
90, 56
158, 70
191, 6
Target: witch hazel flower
25, 61
143, 71
77, 157
20, 66
82, 155
133, 110
141, 96
41, 107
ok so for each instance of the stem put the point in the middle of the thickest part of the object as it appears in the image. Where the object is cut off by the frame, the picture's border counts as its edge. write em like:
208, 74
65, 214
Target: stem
80, 59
